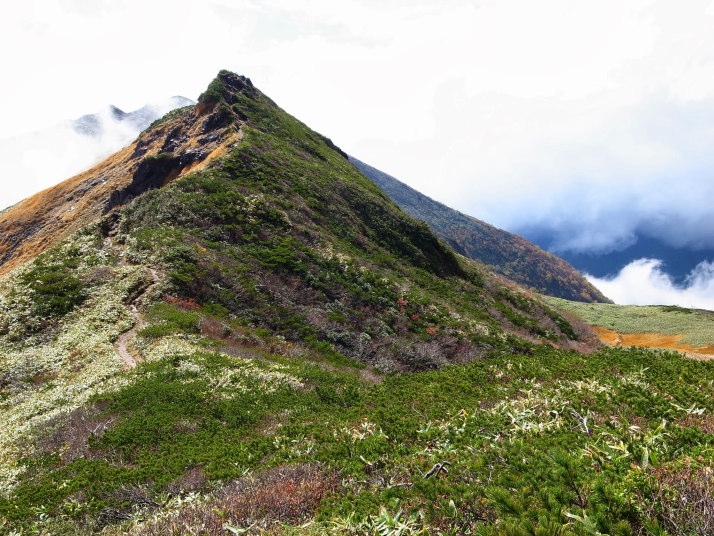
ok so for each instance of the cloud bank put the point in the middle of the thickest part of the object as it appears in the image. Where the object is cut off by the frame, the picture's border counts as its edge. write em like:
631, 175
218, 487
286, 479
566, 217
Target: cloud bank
38, 160
648, 173
644, 282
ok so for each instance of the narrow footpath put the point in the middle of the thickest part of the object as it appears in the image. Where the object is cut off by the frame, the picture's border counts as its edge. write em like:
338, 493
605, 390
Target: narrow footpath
122, 343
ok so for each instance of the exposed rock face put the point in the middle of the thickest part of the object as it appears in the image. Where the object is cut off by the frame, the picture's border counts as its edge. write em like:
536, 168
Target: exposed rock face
179, 144
152, 172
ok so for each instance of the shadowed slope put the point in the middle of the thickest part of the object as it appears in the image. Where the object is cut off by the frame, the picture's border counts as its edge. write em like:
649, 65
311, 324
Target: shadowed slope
503, 252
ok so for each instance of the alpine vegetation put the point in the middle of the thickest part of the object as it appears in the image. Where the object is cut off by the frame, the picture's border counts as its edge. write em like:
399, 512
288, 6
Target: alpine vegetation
242, 334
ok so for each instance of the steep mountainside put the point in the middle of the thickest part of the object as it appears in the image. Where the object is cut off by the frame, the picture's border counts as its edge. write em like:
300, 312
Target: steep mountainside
503, 252
42, 220
236, 332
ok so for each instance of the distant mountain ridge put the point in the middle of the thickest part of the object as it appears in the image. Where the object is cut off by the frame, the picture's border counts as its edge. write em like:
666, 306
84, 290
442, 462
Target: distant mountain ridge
94, 125
505, 253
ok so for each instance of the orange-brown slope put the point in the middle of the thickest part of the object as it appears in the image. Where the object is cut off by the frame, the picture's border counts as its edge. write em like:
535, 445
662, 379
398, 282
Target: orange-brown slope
651, 340
185, 141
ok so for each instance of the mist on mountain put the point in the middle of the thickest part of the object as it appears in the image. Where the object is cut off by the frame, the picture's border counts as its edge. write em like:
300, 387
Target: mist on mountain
40, 159
646, 281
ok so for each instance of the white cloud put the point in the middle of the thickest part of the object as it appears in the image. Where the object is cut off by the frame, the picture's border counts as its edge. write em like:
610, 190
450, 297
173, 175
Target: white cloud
40, 159
644, 282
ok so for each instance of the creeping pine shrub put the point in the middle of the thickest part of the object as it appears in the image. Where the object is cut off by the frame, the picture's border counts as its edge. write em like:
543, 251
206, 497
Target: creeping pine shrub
54, 289
168, 318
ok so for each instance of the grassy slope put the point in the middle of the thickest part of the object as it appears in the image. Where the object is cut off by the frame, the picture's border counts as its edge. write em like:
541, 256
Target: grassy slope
555, 442
695, 325
285, 276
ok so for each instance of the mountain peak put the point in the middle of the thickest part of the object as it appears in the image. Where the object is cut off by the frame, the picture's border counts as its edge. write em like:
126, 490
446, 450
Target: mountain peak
236, 131
225, 87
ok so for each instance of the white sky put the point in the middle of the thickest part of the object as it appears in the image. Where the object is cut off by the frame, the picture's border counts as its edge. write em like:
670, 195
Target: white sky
593, 118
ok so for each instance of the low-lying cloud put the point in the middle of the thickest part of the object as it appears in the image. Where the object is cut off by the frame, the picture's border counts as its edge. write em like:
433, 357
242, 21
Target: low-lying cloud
644, 282
38, 160
596, 186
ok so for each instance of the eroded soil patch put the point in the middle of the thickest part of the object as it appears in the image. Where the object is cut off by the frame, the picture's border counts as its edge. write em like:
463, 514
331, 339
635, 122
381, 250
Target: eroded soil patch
652, 340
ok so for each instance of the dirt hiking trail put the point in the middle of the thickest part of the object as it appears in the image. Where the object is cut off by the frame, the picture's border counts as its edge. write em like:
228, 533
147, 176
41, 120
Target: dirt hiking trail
122, 343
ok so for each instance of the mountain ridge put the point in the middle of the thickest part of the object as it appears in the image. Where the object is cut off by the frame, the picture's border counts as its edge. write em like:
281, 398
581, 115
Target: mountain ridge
310, 359
321, 192
503, 252
506, 253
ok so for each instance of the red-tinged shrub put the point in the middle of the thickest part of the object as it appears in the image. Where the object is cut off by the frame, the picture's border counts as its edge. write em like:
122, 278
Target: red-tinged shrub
285, 494
186, 305
683, 498
402, 304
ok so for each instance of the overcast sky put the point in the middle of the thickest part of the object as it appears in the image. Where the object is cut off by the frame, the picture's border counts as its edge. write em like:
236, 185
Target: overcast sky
595, 118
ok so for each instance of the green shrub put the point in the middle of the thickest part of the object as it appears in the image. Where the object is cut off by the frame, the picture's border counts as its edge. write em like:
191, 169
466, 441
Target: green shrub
54, 289
166, 319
